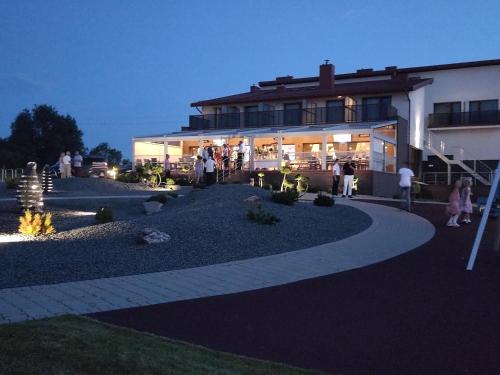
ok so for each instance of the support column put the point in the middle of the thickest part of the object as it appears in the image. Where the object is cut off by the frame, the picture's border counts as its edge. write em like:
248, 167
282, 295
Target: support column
370, 162
324, 146
200, 144
165, 148
280, 151
448, 180
133, 155
251, 153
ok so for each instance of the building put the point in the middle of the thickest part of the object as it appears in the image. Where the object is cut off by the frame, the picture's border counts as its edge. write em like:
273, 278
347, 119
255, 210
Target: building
443, 119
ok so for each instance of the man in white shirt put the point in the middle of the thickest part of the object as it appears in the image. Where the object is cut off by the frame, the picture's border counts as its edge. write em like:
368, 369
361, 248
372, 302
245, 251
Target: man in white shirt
77, 163
336, 177
66, 165
406, 174
210, 170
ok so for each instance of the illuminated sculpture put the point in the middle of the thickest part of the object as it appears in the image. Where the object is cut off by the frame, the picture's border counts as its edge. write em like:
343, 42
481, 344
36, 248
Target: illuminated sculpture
29, 192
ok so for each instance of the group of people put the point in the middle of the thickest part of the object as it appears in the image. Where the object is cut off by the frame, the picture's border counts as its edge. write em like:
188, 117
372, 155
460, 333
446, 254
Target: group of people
66, 163
222, 156
348, 170
459, 203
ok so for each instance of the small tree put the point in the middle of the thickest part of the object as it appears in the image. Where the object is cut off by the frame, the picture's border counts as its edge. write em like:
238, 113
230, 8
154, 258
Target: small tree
261, 179
286, 170
154, 172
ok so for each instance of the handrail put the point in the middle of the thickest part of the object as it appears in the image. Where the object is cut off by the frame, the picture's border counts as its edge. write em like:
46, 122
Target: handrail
473, 118
11, 173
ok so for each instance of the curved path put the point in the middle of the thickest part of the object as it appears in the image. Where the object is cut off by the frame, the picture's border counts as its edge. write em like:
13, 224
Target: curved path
392, 233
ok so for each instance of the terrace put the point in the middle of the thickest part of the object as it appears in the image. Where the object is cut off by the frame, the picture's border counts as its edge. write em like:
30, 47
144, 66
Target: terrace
457, 119
290, 117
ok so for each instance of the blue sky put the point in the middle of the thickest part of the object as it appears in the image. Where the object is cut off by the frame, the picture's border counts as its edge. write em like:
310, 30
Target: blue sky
125, 68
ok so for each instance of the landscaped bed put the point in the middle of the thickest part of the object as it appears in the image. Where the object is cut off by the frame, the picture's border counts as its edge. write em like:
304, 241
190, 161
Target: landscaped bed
206, 226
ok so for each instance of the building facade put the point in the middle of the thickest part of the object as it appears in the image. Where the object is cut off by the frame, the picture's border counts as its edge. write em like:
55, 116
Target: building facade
443, 119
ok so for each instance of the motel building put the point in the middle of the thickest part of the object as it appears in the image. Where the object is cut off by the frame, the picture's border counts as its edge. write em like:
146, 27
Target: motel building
443, 119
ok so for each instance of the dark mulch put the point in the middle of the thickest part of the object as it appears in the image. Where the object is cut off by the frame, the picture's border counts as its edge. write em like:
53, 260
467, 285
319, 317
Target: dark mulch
419, 313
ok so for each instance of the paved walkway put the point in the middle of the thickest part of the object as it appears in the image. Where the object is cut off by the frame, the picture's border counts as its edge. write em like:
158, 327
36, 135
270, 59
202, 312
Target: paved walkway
393, 232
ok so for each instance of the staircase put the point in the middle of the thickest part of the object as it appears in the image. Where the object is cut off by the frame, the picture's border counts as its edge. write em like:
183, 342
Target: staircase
440, 148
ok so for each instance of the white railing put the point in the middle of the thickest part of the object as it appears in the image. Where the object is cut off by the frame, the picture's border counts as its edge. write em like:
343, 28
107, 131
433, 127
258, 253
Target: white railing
13, 173
441, 178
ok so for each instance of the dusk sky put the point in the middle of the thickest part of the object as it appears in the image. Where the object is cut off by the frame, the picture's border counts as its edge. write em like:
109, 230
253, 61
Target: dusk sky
127, 68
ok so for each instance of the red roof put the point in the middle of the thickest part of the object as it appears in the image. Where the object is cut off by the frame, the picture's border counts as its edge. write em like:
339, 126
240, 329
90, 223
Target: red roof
355, 88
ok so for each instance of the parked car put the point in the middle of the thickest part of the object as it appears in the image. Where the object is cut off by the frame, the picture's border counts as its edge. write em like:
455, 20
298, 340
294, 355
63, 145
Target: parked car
92, 165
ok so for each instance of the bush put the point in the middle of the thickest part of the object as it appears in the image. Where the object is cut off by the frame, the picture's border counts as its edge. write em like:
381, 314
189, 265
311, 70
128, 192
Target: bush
34, 225
324, 200
262, 217
169, 181
172, 194
288, 197
104, 215
162, 198
130, 177
11, 183
314, 189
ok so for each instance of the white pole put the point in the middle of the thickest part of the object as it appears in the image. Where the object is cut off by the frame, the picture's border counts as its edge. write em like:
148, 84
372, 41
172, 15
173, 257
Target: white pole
484, 219
324, 144
280, 151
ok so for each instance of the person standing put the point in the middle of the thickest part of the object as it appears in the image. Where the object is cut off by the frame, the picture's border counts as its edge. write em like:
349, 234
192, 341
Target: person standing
198, 170
226, 152
241, 155
465, 201
348, 169
453, 206
77, 163
166, 165
61, 165
336, 177
210, 170
67, 165
405, 177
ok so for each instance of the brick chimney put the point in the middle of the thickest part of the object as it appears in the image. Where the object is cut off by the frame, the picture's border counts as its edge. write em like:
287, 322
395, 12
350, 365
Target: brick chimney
254, 88
326, 75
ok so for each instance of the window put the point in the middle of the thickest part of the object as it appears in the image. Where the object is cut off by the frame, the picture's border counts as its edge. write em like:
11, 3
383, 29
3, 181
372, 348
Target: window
293, 114
447, 113
483, 111
376, 108
335, 111
251, 116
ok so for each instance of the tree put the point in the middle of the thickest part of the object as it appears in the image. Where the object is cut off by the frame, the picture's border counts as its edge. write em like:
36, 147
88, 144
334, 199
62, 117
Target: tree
40, 135
112, 155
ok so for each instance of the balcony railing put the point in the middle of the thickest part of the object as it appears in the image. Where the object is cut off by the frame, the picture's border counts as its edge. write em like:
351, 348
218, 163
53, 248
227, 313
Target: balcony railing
305, 116
438, 120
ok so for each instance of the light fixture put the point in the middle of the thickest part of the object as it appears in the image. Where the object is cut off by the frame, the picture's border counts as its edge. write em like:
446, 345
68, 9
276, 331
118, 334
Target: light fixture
342, 138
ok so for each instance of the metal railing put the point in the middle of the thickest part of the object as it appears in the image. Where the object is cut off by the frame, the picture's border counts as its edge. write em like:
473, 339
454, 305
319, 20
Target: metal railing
441, 178
437, 120
291, 117
13, 173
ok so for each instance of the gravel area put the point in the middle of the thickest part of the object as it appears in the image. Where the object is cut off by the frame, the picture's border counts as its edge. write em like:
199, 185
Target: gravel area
206, 226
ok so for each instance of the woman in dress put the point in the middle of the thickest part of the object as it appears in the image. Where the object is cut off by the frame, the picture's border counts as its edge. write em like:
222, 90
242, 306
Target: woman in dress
465, 202
453, 206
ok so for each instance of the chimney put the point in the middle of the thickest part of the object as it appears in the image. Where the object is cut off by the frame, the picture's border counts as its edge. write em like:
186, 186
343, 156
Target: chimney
254, 88
326, 75
281, 88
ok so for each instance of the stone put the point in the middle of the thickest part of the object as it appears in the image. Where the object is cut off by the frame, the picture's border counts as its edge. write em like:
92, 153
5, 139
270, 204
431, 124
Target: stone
152, 207
252, 199
151, 236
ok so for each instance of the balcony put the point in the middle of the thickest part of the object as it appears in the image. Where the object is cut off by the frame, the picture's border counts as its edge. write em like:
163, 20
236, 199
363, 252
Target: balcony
293, 117
457, 119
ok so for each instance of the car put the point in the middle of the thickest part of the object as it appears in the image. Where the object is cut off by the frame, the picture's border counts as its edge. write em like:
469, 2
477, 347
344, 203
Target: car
92, 165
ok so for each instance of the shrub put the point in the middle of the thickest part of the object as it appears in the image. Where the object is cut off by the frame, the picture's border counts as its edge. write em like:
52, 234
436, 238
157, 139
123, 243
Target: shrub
11, 183
162, 198
262, 217
130, 177
323, 200
288, 197
104, 215
314, 189
172, 194
169, 181
34, 225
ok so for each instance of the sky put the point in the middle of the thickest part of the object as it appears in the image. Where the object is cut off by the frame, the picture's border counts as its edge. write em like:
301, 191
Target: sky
127, 68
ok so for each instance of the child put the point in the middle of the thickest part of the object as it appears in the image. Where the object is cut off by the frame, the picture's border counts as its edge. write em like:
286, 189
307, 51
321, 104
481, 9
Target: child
465, 202
453, 206
198, 169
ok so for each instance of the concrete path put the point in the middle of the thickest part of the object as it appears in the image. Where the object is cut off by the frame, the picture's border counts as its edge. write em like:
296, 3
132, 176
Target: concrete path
393, 232
79, 197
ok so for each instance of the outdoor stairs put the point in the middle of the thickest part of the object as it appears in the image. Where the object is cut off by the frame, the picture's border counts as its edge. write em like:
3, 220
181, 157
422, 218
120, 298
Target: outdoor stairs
430, 146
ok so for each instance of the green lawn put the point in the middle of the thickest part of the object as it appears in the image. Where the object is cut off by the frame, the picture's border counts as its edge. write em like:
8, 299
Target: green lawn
78, 345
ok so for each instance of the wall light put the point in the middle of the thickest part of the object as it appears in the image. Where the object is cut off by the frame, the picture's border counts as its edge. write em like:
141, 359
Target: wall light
342, 138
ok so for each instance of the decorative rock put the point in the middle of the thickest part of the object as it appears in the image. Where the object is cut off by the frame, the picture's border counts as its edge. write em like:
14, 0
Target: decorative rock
252, 199
151, 236
152, 207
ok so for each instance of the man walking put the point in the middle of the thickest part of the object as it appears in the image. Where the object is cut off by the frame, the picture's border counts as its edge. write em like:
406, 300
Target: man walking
77, 163
241, 155
66, 165
405, 176
336, 177
210, 170
348, 169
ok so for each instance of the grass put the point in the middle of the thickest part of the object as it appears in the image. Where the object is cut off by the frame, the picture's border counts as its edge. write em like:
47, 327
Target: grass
78, 345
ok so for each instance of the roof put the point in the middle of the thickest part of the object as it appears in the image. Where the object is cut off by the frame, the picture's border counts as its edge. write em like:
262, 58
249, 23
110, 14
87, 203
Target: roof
387, 71
354, 88
359, 126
